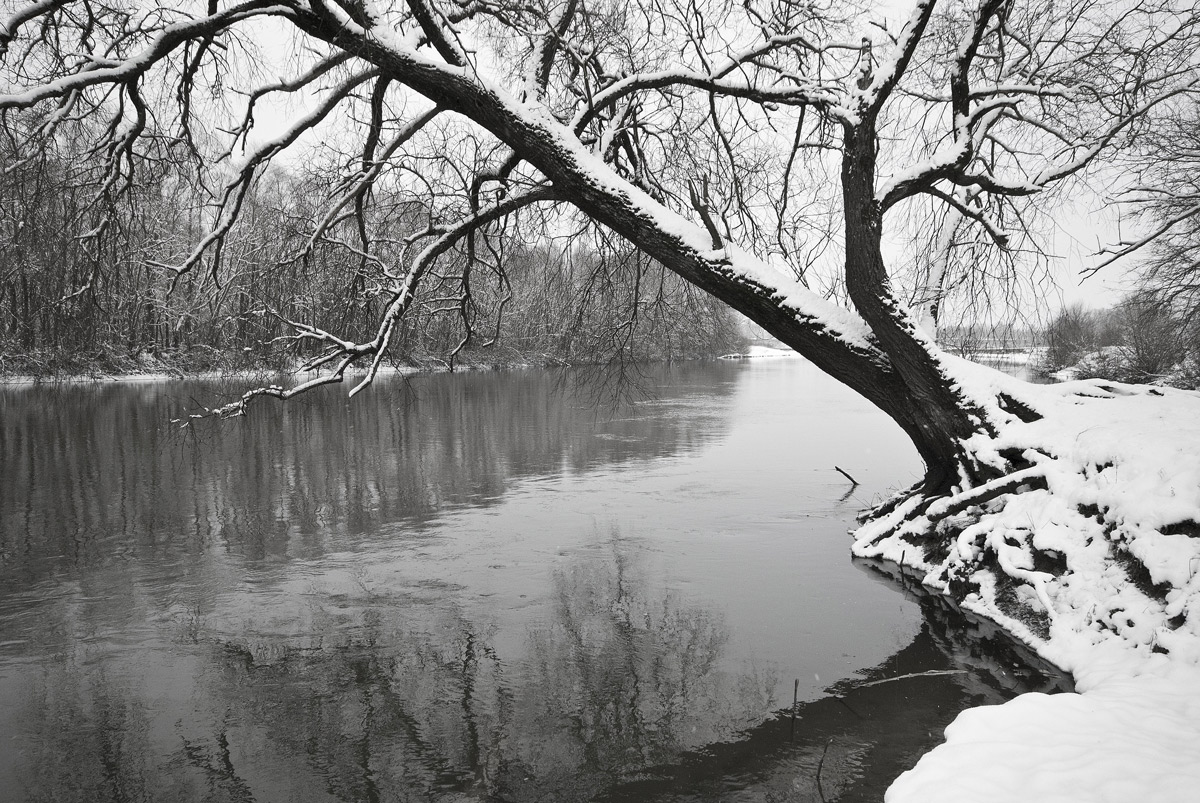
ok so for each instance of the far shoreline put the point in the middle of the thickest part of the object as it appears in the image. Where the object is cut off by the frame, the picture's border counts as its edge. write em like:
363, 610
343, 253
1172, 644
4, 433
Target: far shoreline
433, 366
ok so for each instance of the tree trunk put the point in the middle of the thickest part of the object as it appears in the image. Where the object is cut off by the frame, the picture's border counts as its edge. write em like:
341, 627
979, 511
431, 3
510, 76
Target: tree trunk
939, 416
904, 381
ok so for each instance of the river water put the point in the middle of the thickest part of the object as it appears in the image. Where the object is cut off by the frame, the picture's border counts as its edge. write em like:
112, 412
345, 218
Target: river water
481, 586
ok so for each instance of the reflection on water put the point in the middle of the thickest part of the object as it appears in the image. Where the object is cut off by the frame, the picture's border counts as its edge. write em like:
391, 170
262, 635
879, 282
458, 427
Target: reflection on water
850, 744
90, 470
474, 588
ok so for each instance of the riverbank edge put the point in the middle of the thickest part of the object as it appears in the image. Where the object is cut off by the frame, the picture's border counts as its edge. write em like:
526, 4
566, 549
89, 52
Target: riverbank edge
169, 372
145, 367
1091, 557
270, 374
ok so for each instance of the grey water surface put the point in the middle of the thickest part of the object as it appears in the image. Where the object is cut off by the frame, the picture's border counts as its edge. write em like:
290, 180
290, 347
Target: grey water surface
468, 587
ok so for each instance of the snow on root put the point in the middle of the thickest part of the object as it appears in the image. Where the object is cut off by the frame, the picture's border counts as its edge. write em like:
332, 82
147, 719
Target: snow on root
1089, 552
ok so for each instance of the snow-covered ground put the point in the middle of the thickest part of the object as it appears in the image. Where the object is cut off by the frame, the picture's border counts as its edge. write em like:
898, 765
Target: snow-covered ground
1004, 357
757, 352
1096, 564
1123, 739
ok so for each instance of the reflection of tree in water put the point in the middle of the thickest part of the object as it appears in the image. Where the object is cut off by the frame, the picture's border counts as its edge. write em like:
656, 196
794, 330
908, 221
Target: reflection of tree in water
618, 695
94, 470
850, 745
618, 681
88, 740
614, 681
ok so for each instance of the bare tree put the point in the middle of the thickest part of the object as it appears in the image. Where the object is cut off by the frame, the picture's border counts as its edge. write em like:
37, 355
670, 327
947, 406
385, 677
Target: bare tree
1071, 335
716, 137
1165, 198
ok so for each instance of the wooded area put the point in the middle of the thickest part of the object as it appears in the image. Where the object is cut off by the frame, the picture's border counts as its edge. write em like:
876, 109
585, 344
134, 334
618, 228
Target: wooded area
84, 284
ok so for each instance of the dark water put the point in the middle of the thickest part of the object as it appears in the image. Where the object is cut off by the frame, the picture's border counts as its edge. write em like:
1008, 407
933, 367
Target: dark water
468, 587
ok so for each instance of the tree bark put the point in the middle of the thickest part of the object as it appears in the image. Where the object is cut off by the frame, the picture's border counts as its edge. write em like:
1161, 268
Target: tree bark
939, 415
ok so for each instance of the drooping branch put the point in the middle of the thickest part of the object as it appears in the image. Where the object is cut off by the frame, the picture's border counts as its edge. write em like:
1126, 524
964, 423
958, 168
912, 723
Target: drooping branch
10, 27
1154, 235
404, 293
372, 168
98, 70
301, 83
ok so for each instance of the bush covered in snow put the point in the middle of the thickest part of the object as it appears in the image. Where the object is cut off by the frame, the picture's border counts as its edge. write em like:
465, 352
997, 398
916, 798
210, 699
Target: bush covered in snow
1138, 340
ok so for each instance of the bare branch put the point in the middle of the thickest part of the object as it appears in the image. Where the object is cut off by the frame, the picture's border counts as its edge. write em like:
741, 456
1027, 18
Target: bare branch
104, 71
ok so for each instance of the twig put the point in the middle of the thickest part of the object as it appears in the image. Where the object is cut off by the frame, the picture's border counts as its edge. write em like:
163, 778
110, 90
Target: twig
929, 673
795, 697
844, 474
820, 765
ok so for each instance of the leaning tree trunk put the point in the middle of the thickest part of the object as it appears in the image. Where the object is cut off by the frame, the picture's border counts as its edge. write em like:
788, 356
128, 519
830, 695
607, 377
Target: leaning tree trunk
897, 371
939, 416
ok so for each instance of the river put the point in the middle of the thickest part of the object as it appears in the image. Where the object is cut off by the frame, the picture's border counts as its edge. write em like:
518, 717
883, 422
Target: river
490, 586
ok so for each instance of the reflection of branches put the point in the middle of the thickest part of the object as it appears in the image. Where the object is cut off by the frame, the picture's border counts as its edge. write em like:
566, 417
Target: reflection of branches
613, 682
637, 677
852, 744
219, 770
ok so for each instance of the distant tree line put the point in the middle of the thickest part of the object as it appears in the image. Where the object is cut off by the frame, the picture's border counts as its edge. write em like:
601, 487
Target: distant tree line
86, 281
1140, 339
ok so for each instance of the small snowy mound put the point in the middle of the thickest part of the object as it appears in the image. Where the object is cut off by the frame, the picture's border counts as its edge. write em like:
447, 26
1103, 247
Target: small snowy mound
1090, 553
757, 352
1134, 739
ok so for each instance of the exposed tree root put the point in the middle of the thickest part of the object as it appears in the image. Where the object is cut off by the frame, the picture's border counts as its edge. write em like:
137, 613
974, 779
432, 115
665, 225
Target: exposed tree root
1075, 525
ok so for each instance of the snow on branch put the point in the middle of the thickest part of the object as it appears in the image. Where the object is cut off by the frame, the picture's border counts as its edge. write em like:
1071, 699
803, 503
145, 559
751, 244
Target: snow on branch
878, 81
104, 70
547, 48
438, 31
998, 235
299, 84
811, 93
10, 26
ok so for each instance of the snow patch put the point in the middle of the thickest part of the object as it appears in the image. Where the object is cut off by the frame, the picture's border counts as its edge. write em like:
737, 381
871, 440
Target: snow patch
763, 352
1105, 745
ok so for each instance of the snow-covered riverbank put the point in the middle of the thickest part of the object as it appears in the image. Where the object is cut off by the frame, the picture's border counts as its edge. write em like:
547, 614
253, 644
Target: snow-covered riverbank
1095, 563
1132, 733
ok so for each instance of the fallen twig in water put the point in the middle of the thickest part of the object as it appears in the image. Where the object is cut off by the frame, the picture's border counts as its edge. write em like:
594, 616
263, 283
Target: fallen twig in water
844, 474
930, 673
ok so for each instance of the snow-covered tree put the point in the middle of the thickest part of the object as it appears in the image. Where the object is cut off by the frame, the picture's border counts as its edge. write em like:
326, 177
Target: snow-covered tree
746, 146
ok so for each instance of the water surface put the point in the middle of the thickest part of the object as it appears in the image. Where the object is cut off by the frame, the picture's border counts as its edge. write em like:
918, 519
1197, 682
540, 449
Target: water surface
470, 587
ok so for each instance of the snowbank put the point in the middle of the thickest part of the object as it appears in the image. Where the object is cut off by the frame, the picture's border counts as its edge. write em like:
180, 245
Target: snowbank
1131, 739
759, 352
1095, 563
